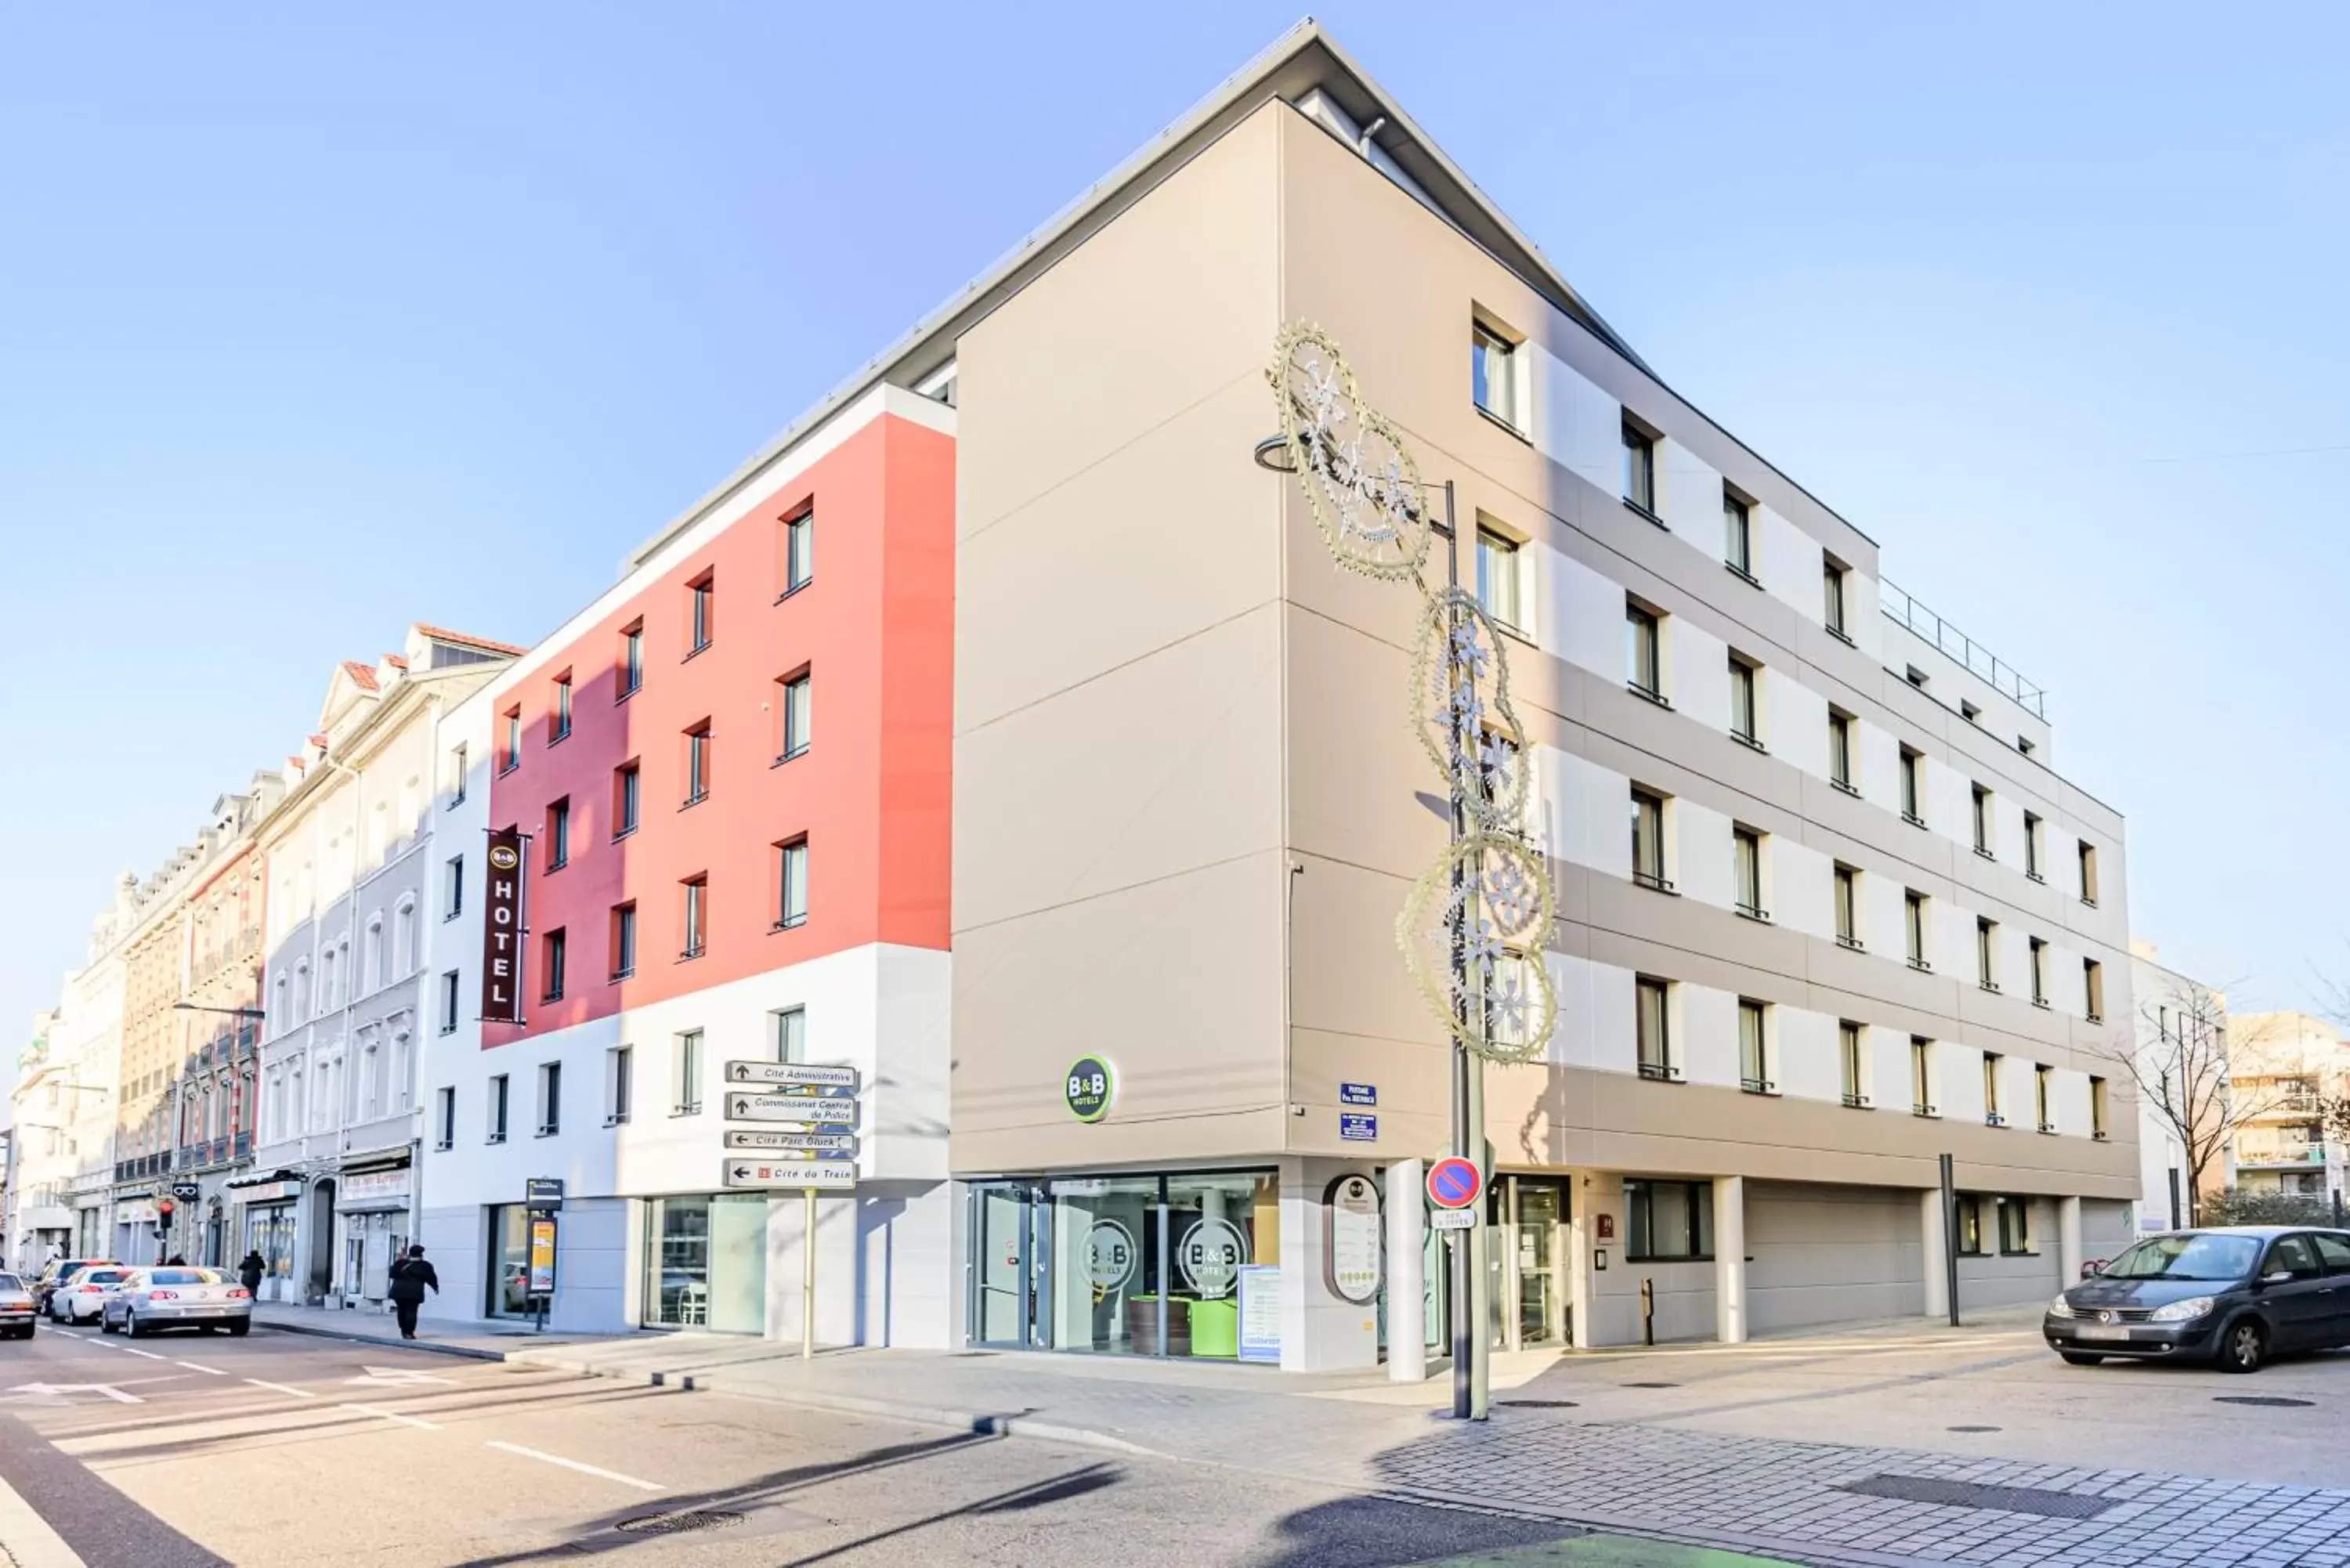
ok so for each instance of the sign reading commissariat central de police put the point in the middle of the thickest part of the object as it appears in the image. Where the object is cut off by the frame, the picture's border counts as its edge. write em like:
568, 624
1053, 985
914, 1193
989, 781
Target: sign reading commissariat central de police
502, 930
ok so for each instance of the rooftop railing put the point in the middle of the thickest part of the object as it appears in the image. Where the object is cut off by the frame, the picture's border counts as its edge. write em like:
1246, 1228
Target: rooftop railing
1961, 649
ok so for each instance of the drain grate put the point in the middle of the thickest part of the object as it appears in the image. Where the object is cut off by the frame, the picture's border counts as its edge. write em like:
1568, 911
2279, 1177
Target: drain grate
2271, 1401
679, 1521
1969, 1494
1650, 1385
1538, 1404
1971, 1428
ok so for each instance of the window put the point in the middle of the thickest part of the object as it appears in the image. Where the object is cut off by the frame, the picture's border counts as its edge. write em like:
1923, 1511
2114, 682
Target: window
794, 715
558, 718
2088, 874
2097, 1108
1970, 1240
791, 1034
1497, 576
1840, 751
791, 884
2093, 990
697, 764
1648, 841
1754, 1049
1667, 1220
1991, 1068
2039, 972
702, 611
2023, 745
1645, 652
1742, 708
405, 936
550, 1098
632, 660
1652, 1026
619, 1084
1747, 852
558, 834
1971, 712
1921, 1076
1639, 469
457, 771
1986, 949
1913, 912
552, 949
1737, 536
1847, 908
449, 1002
697, 914
444, 1117
799, 551
1983, 822
688, 1089
2044, 1106
498, 1109
1832, 577
1913, 795
1493, 373
1916, 676
454, 904
2032, 848
2016, 1225
1852, 1052
626, 799
624, 941
514, 740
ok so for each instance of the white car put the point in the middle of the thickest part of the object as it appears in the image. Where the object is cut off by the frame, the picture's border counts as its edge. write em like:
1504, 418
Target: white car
172, 1295
82, 1299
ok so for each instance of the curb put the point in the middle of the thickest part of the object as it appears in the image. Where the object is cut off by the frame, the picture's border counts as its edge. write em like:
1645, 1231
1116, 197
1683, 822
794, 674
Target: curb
982, 1422
319, 1331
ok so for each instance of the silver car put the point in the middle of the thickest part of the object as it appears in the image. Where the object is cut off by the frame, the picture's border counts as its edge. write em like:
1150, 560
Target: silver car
17, 1313
82, 1298
171, 1296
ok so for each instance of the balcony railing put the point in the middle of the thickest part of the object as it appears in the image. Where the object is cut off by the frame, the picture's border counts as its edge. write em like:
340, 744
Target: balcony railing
1961, 649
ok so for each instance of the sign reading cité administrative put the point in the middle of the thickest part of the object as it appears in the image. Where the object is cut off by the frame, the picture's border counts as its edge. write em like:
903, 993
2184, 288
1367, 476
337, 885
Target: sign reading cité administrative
1090, 1088
502, 930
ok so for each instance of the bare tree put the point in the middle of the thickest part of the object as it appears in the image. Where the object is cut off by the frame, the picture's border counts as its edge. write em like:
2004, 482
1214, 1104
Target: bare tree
2178, 1060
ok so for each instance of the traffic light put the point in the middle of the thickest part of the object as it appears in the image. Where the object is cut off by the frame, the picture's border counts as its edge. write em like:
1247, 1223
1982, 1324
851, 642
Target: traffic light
163, 1210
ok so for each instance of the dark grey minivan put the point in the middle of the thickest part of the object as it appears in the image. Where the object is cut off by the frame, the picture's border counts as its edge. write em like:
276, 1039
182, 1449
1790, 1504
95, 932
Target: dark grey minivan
2233, 1296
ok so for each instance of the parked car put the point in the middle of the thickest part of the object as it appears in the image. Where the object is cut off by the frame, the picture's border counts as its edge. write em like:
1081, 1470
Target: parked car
60, 1269
81, 1298
153, 1300
17, 1313
2232, 1295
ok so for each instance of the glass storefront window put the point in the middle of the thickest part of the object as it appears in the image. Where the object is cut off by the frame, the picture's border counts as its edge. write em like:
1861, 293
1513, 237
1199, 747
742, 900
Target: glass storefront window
706, 1263
1105, 1246
509, 1261
1216, 1225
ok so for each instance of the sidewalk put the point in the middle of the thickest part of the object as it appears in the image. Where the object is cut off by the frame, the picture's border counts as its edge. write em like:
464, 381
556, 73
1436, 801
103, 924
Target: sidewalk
481, 1339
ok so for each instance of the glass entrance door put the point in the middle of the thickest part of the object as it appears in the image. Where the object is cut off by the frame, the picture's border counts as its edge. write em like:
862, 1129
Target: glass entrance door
1011, 1265
1541, 1213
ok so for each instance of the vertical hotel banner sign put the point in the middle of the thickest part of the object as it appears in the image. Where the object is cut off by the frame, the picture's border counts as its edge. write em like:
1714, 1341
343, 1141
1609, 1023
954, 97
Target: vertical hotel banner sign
502, 930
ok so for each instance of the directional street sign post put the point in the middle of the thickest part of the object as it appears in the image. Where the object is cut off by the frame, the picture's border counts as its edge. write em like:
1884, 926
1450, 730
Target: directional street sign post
814, 1147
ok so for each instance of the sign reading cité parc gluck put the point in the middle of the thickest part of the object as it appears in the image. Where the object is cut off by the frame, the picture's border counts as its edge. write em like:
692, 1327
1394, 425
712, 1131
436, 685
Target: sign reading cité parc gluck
502, 930
1091, 1086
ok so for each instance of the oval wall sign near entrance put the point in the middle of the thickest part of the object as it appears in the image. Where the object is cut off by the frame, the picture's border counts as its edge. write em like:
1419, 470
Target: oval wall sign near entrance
1351, 1258
1090, 1088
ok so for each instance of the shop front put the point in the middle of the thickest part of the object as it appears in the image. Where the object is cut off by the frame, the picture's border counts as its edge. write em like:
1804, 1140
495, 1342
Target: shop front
706, 1262
134, 1229
372, 1226
1171, 1264
265, 1223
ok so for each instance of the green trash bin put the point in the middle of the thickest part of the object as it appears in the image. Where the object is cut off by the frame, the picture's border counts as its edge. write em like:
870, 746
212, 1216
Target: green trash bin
1216, 1329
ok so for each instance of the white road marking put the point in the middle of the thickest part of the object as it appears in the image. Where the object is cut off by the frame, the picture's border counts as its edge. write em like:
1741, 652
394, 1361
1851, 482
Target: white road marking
281, 1388
148, 1354
200, 1366
109, 1389
393, 1416
574, 1465
31, 1542
396, 1377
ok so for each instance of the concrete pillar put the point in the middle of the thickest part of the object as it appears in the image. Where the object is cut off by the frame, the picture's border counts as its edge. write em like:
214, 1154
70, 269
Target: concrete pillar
1930, 1231
1407, 1219
2068, 1240
1730, 1259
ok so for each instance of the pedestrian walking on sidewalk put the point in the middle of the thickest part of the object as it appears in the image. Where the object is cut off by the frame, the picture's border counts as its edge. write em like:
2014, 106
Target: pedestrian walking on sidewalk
409, 1276
249, 1272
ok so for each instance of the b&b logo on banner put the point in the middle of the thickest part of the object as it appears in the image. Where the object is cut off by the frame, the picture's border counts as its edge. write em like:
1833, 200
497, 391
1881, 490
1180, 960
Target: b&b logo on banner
502, 930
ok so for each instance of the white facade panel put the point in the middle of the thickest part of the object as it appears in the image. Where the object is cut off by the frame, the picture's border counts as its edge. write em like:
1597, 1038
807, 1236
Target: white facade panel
1576, 424
1789, 562
1703, 864
1581, 810
1958, 1080
1690, 504
1808, 1062
2068, 1102
1801, 890
1862, 621
1951, 933
1701, 675
1796, 722
2007, 830
1880, 766
1581, 614
1707, 1045
1949, 805
1884, 918
1889, 1087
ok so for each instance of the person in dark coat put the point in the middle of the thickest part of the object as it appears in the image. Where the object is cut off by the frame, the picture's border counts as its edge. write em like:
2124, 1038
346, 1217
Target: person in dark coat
409, 1276
249, 1272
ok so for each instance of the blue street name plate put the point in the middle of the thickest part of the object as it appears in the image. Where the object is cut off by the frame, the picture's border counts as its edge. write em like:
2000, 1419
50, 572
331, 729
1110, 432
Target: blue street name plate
1356, 1127
1358, 1093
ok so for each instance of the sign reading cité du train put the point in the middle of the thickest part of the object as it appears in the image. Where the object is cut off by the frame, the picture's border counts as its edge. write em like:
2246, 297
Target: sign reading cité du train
502, 930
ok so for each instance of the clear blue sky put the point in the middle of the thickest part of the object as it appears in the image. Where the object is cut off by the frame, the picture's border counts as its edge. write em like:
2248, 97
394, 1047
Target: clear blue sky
316, 321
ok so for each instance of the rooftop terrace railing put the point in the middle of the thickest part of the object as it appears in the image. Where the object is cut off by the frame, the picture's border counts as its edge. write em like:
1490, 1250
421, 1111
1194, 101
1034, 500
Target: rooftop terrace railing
1961, 649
